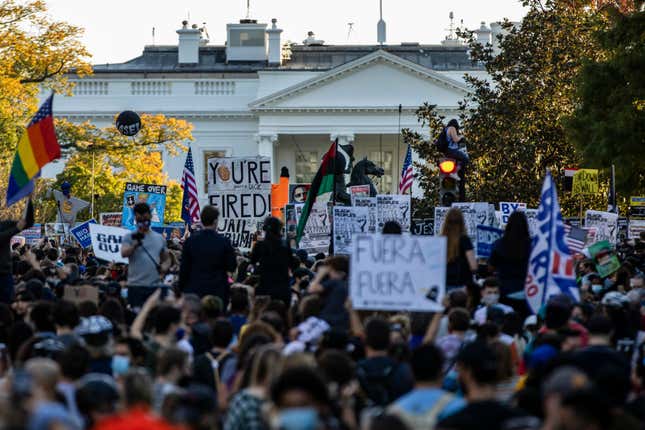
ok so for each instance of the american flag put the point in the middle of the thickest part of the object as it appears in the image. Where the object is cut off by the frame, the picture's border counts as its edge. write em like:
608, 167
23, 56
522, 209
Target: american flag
190, 201
407, 173
575, 238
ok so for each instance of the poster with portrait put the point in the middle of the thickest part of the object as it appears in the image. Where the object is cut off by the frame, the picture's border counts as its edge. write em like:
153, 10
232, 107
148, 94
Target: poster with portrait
348, 221
240, 187
393, 207
298, 192
153, 195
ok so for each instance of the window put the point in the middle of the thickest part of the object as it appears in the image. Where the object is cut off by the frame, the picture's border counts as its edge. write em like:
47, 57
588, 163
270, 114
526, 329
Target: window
385, 160
207, 155
247, 38
307, 164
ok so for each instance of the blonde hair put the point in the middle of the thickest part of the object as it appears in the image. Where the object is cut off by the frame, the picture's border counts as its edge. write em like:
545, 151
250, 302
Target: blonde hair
453, 229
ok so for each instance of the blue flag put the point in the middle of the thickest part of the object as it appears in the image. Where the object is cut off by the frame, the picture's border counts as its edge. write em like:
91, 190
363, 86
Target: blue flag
551, 266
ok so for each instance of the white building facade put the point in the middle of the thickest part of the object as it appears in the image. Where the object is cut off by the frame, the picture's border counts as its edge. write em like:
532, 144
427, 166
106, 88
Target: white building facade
256, 96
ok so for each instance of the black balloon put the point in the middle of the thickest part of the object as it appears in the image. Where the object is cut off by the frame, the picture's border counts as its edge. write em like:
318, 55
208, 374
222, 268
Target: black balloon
128, 123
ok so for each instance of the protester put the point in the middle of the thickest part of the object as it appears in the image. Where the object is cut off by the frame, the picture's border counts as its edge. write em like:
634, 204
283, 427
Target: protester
510, 255
273, 258
460, 254
8, 229
207, 258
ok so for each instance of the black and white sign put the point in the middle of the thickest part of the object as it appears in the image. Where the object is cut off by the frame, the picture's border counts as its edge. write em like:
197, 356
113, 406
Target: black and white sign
315, 237
348, 221
370, 204
439, 216
422, 227
475, 214
393, 207
240, 187
106, 242
605, 223
398, 272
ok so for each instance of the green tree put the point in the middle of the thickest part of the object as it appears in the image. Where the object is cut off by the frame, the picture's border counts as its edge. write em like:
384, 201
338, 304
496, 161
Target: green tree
608, 124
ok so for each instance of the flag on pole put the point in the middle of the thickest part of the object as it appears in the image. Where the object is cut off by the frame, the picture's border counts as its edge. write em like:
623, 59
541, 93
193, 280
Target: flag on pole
550, 270
576, 238
407, 173
37, 147
190, 201
611, 197
321, 190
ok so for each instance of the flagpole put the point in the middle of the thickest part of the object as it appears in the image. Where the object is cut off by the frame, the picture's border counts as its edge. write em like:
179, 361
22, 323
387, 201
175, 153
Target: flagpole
333, 200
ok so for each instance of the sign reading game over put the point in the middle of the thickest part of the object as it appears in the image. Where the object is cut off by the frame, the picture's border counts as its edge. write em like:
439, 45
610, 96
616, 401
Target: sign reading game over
396, 272
154, 195
240, 187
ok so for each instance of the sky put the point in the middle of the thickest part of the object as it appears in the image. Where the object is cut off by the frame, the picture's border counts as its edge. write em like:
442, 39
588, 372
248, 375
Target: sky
117, 30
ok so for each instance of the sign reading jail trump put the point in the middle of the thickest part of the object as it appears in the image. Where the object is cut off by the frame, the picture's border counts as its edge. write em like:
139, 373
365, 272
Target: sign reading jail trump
240, 187
396, 272
106, 242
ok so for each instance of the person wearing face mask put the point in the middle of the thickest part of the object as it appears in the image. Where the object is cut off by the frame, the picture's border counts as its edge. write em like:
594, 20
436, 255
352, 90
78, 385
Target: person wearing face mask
145, 250
490, 297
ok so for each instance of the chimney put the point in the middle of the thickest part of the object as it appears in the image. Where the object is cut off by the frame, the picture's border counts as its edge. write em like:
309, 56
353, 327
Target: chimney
483, 34
189, 40
275, 47
312, 41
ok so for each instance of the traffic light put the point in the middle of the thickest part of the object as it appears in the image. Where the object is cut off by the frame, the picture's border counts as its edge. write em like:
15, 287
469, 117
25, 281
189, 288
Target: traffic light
448, 182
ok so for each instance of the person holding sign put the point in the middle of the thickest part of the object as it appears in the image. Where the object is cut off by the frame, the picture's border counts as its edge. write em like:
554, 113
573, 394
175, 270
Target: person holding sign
145, 250
460, 254
9, 229
273, 256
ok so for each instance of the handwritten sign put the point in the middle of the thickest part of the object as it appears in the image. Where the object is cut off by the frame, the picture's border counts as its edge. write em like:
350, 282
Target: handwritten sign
106, 242
585, 181
422, 227
348, 221
398, 272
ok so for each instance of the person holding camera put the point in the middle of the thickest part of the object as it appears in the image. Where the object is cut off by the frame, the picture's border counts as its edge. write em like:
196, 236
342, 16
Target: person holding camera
145, 250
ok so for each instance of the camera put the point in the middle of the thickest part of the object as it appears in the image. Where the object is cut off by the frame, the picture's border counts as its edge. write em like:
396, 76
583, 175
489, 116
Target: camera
137, 236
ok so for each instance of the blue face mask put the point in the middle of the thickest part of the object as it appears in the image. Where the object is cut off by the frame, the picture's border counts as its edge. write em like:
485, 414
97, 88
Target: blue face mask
120, 365
298, 419
596, 288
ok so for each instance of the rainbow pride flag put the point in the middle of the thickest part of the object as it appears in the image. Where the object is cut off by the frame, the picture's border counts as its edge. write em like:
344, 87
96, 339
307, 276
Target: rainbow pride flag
37, 147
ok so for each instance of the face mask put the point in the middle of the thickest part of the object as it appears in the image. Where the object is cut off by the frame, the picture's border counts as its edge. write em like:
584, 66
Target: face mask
490, 299
596, 288
298, 419
120, 365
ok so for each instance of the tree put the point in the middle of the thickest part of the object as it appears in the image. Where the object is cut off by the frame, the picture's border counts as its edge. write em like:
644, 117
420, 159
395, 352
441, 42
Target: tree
35, 52
118, 159
608, 125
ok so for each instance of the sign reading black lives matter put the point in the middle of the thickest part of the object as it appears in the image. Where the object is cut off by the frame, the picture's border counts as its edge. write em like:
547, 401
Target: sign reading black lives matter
398, 272
240, 187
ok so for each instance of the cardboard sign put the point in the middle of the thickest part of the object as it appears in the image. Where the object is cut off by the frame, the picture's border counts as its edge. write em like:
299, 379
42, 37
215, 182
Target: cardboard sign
422, 227
298, 192
348, 221
439, 216
240, 187
585, 181
398, 272
315, 237
393, 207
486, 237
82, 234
605, 223
81, 293
112, 219
507, 208
370, 204
154, 195
106, 242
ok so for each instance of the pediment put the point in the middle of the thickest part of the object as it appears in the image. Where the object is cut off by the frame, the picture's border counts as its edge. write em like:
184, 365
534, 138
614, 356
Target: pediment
377, 81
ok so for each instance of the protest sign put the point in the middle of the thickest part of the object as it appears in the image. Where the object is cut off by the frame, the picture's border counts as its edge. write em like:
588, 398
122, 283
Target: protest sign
240, 187
348, 221
81, 293
531, 219
298, 192
393, 207
605, 223
636, 226
112, 219
486, 236
603, 254
585, 181
56, 229
315, 237
82, 233
171, 231
370, 204
439, 216
507, 208
32, 234
153, 195
475, 214
422, 227
359, 191
20, 240
106, 242
623, 229
398, 272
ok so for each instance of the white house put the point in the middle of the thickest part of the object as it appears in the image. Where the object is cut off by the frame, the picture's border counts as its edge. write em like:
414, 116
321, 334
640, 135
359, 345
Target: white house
255, 95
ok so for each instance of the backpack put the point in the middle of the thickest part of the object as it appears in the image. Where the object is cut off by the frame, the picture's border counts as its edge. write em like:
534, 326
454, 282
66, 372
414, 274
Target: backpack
378, 387
441, 142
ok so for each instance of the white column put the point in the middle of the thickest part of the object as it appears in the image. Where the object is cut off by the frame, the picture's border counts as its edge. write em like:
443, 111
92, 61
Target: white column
266, 147
344, 139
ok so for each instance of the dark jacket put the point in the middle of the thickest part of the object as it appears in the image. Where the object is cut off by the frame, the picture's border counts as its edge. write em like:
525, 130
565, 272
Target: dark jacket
273, 257
205, 259
384, 380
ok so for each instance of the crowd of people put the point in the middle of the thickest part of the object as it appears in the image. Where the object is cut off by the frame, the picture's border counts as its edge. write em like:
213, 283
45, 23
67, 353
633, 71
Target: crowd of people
194, 334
